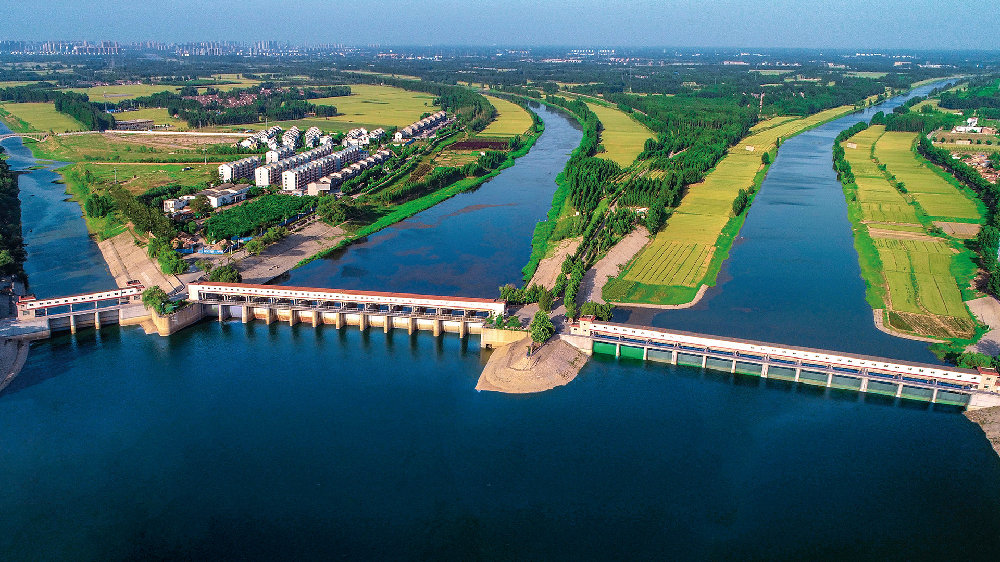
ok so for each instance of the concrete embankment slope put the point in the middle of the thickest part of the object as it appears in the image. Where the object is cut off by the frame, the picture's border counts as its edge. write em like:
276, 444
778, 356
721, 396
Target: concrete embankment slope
512, 371
989, 420
13, 354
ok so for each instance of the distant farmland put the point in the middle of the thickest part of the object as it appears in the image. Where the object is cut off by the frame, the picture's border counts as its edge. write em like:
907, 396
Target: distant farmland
511, 120
623, 137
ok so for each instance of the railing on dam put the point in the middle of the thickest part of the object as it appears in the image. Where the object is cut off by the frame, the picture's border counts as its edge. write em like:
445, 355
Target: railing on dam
31, 307
341, 300
934, 383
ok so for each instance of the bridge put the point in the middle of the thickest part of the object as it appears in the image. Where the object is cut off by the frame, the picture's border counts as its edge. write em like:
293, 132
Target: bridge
36, 136
830, 369
84, 310
339, 307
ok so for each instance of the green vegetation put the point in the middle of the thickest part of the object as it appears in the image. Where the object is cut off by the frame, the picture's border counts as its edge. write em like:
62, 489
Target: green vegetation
622, 137
76, 106
155, 298
224, 274
12, 253
541, 327
373, 106
37, 117
255, 215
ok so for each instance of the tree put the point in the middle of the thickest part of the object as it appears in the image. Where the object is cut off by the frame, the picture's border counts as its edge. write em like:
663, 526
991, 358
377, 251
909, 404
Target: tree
255, 246
545, 300
225, 274
154, 298
765, 158
201, 206
541, 327
655, 217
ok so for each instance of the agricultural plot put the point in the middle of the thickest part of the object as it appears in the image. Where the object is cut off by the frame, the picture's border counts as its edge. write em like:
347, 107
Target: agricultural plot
137, 178
934, 194
918, 276
879, 201
39, 117
680, 257
116, 93
158, 115
623, 137
378, 106
511, 120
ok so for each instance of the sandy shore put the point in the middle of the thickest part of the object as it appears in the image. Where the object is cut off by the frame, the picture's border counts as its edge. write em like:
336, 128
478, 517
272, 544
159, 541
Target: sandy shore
549, 268
509, 370
989, 420
283, 255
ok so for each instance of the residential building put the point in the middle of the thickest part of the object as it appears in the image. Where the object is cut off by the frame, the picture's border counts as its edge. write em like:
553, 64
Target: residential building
244, 168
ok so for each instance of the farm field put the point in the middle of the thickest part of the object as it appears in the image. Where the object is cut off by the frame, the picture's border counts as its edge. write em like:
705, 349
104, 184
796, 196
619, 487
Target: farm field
39, 117
913, 270
374, 106
137, 178
159, 116
109, 147
623, 137
116, 93
671, 267
934, 194
511, 120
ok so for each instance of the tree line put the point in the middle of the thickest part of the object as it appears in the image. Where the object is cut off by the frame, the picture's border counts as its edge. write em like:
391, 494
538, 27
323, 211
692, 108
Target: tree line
76, 105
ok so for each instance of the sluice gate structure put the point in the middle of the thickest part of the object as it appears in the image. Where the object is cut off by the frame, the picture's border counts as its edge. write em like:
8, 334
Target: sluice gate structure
364, 309
87, 310
936, 384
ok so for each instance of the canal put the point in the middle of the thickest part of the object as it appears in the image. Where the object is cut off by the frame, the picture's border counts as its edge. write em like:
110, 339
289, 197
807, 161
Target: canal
263, 442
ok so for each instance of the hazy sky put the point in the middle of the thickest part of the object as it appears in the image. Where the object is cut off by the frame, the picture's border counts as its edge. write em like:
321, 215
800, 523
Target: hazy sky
923, 24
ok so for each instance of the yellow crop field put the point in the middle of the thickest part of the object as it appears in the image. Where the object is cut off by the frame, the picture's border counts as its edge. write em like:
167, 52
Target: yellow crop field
623, 137
511, 120
379, 106
878, 199
39, 117
933, 193
681, 255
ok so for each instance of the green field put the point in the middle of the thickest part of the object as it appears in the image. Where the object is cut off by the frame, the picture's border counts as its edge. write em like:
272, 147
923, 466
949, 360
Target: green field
688, 251
108, 147
138, 178
159, 116
932, 192
511, 120
379, 106
38, 117
623, 138
909, 273
115, 93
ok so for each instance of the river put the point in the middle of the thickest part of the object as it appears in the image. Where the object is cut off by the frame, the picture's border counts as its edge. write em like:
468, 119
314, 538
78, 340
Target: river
792, 276
262, 442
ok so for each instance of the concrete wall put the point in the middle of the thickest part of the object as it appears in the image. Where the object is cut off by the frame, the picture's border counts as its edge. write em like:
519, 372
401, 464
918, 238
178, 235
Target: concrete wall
166, 325
493, 338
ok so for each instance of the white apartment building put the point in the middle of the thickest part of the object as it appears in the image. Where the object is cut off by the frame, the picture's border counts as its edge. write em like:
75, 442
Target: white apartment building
244, 168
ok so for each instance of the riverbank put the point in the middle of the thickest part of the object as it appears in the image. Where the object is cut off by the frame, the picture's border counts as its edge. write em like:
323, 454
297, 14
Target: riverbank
988, 420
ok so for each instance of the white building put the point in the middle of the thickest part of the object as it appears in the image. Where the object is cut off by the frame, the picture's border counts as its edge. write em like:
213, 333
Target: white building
282, 152
244, 168
223, 195
291, 137
312, 136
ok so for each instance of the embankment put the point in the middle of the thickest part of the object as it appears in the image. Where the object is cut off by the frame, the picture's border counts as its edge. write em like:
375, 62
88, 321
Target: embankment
988, 419
512, 371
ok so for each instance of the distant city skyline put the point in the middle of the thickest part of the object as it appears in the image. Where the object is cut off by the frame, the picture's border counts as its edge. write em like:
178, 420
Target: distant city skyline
896, 24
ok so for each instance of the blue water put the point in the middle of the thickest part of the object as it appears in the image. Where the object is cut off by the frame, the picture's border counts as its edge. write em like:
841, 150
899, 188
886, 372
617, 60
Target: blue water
792, 276
233, 441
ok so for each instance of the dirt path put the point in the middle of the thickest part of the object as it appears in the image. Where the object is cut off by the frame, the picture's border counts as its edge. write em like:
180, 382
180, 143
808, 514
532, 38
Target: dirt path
282, 256
611, 264
901, 235
550, 267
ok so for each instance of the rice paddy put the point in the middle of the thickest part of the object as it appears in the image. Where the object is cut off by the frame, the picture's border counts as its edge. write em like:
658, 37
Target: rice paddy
933, 193
39, 117
116, 93
914, 271
379, 106
623, 137
511, 120
680, 257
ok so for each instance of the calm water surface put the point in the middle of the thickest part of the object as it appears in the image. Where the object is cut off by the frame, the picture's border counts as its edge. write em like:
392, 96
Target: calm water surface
265, 442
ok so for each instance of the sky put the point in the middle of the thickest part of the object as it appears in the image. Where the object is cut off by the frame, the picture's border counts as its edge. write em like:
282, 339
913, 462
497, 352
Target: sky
852, 24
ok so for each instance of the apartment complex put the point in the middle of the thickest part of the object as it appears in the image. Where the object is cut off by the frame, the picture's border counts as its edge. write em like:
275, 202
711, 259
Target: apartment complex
244, 168
421, 126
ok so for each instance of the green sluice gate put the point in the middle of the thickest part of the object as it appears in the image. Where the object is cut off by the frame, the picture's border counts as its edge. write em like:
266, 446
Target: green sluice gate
659, 356
812, 377
781, 373
688, 359
604, 348
631, 352
953, 398
748, 368
917, 393
880, 387
719, 364
849, 383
